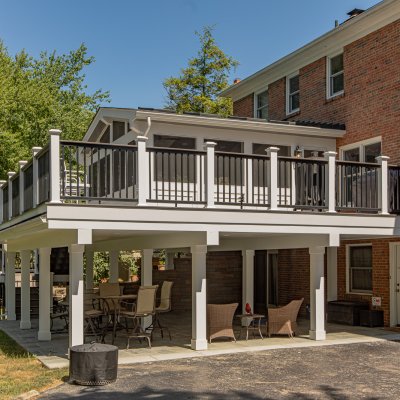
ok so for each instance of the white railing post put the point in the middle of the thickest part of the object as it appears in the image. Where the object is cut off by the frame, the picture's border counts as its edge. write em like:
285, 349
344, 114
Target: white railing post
210, 168
54, 165
272, 153
21, 185
383, 184
2, 182
35, 176
330, 181
10, 208
143, 172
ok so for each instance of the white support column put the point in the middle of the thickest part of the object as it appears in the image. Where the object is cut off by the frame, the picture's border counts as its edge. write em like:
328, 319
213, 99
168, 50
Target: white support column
331, 273
10, 205
10, 285
169, 261
330, 181
114, 270
76, 303
89, 269
2, 182
44, 333
21, 185
199, 297
35, 175
382, 184
317, 298
25, 322
210, 168
143, 171
247, 279
272, 153
147, 278
55, 165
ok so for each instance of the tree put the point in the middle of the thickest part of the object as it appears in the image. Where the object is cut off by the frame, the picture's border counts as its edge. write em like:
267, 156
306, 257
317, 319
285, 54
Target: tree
197, 87
41, 93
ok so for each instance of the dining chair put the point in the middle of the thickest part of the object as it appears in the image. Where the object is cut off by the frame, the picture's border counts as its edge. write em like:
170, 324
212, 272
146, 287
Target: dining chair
145, 306
165, 306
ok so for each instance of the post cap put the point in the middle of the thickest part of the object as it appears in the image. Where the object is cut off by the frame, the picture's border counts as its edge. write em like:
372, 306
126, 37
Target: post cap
36, 150
330, 154
272, 149
210, 144
10, 174
382, 158
55, 132
22, 163
142, 139
2, 182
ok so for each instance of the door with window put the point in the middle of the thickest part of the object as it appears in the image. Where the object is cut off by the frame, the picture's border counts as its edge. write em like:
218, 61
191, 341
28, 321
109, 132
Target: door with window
265, 280
395, 275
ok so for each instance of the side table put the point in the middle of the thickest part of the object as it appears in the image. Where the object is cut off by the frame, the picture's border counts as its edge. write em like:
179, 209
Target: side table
254, 324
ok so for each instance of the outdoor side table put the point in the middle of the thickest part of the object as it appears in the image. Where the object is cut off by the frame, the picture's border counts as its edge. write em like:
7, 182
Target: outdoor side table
254, 324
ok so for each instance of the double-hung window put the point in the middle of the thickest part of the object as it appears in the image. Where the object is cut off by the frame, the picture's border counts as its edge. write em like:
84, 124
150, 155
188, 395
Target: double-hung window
359, 259
292, 93
335, 75
261, 103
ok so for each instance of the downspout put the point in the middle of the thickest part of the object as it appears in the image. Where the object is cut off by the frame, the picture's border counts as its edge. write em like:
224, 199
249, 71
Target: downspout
146, 132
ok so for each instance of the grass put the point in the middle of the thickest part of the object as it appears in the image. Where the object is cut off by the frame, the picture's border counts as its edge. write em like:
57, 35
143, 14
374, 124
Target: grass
21, 372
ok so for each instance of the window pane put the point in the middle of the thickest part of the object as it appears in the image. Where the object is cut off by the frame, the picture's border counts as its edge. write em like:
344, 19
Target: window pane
258, 148
227, 146
352, 154
262, 99
262, 113
361, 257
106, 136
294, 84
313, 153
361, 279
336, 64
337, 83
295, 101
361, 268
174, 142
371, 152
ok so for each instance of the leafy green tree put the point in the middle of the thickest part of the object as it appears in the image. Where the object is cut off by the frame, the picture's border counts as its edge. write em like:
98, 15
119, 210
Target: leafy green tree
41, 93
196, 88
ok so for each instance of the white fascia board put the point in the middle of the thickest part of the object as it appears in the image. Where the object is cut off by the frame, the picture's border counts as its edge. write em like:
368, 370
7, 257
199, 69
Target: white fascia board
172, 219
107, 114
234, 124
369, 21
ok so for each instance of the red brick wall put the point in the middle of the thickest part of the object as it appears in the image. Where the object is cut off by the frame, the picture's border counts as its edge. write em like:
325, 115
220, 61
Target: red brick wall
224, 279
380, 273
244, 107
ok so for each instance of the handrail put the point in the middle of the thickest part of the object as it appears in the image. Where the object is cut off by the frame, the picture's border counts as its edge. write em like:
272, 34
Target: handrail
96, 144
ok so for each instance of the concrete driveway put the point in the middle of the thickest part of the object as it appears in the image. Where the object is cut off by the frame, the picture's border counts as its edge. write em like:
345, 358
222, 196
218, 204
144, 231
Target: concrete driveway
339, 372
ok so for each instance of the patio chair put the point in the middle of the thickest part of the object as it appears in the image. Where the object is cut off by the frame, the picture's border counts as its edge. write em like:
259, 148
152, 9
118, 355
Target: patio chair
163, 307
59, 311
220, 320
144, 307
282, 320
95, 311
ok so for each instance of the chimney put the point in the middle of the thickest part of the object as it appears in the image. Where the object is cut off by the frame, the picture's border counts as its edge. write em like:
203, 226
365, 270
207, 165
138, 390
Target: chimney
236, 80
355, 12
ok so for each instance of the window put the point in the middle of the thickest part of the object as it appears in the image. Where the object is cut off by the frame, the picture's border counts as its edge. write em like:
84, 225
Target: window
335, 75
365, 151
262, 105
360, 269
261, 149
174, 142
292, 94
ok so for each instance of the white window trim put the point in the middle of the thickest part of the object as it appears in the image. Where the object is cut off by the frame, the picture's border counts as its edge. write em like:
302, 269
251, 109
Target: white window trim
256, 102
361, 145
288, 77
328, 76
348, 290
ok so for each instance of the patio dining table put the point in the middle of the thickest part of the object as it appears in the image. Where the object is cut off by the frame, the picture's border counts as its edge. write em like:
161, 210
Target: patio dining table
113, 307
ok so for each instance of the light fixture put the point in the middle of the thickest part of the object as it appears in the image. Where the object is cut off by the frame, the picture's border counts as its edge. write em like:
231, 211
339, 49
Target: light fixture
298, 152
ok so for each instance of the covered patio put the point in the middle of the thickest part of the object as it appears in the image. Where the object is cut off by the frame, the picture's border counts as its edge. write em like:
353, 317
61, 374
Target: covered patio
54, 353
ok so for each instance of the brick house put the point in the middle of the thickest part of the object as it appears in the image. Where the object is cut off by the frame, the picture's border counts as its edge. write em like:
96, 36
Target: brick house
349, 76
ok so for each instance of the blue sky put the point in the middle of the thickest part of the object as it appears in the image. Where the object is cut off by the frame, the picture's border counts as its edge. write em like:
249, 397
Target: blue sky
137, 44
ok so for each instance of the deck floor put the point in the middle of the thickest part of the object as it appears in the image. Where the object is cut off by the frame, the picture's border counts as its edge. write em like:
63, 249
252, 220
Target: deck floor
54, 354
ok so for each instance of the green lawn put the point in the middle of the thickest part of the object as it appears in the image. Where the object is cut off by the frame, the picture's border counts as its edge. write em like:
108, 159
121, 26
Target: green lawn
21, 372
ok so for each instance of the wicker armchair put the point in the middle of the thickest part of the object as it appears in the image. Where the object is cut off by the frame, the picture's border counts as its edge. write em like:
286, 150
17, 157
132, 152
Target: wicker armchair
220, 319
282, 320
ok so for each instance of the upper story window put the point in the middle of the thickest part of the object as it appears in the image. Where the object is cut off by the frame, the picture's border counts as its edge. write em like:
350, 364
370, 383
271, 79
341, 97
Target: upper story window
292, 93
335, 75
261, 103
365, 151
